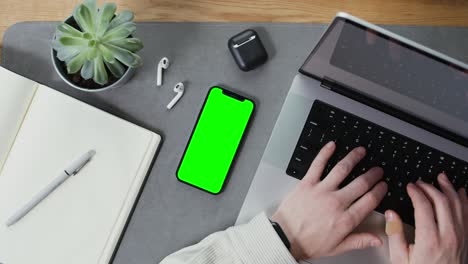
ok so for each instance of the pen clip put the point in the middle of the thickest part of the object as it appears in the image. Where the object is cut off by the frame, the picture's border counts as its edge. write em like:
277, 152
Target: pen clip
78, 164
77, 169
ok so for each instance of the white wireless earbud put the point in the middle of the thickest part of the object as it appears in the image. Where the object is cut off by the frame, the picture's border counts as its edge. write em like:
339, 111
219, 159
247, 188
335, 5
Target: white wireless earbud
179, 89
163, 64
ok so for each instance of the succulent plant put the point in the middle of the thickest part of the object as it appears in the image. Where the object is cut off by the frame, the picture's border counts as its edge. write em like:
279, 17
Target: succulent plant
101, 43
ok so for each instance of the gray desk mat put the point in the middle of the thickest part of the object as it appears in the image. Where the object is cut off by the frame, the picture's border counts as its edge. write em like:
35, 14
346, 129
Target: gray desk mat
171, 215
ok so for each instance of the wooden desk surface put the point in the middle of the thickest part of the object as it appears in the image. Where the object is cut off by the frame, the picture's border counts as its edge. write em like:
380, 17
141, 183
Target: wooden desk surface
407, 12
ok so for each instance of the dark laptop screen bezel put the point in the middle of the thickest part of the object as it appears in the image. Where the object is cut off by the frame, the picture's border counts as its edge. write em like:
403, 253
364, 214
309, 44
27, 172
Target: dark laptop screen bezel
378, 103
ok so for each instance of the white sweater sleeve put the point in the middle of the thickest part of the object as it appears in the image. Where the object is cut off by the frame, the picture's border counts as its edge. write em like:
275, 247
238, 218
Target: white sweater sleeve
253, 243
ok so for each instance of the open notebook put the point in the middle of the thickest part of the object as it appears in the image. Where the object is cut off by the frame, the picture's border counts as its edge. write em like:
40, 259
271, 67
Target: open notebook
41, 132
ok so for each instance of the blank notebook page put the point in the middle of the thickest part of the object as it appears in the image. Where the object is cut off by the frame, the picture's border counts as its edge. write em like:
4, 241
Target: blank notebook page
80, 215
16, 95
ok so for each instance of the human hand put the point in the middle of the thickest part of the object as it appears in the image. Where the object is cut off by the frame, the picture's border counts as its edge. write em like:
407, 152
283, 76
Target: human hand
318, 218
441, 221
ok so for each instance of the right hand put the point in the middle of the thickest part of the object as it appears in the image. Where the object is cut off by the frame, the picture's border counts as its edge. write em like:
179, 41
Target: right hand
441, 221
318, 217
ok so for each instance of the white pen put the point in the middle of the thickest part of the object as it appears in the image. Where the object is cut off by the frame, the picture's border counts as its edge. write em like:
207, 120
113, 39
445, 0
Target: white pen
71, 170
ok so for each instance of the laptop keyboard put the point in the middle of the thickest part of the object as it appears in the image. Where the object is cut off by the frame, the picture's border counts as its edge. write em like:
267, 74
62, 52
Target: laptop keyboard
404, 160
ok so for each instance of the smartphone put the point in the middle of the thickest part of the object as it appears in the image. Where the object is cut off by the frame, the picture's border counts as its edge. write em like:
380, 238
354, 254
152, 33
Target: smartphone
218, 132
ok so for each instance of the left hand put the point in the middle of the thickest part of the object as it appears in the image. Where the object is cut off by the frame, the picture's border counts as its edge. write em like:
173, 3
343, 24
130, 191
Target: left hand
318, 218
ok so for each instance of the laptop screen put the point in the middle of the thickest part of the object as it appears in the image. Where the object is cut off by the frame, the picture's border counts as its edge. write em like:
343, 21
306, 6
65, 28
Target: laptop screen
433, 88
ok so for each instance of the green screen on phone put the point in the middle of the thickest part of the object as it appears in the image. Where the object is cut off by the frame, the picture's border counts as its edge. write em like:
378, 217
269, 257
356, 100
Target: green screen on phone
215, 139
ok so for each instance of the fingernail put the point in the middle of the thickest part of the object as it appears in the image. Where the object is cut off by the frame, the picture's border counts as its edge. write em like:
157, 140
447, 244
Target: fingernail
389, 216
376, 243
443, 177
330, 144
392, 226
380, 169
361, 150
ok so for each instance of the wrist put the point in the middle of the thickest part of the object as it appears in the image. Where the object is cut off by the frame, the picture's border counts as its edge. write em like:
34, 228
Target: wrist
281, 234
294, 248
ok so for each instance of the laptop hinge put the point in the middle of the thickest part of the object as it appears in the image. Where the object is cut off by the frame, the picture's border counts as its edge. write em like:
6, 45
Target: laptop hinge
337, 87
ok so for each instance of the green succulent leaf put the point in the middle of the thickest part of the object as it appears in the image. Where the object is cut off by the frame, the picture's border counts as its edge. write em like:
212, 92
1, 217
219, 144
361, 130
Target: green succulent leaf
68, 30
87, 71
106, 13
75, 64
124, 17
138, 61
116, 68
56, 45
120, 32
93, 52
106, 54
126, 57
68, 53
92, 6
131, 44
85, 19
100, 73
72, 41
87, 35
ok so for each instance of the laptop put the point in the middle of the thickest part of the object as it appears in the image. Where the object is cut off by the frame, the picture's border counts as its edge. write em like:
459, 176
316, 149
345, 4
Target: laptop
365, 86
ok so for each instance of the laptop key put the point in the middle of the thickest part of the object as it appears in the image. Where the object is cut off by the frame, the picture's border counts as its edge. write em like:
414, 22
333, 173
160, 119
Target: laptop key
291, 171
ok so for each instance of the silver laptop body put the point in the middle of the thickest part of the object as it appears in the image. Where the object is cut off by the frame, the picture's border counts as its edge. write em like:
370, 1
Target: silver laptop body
336, 75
